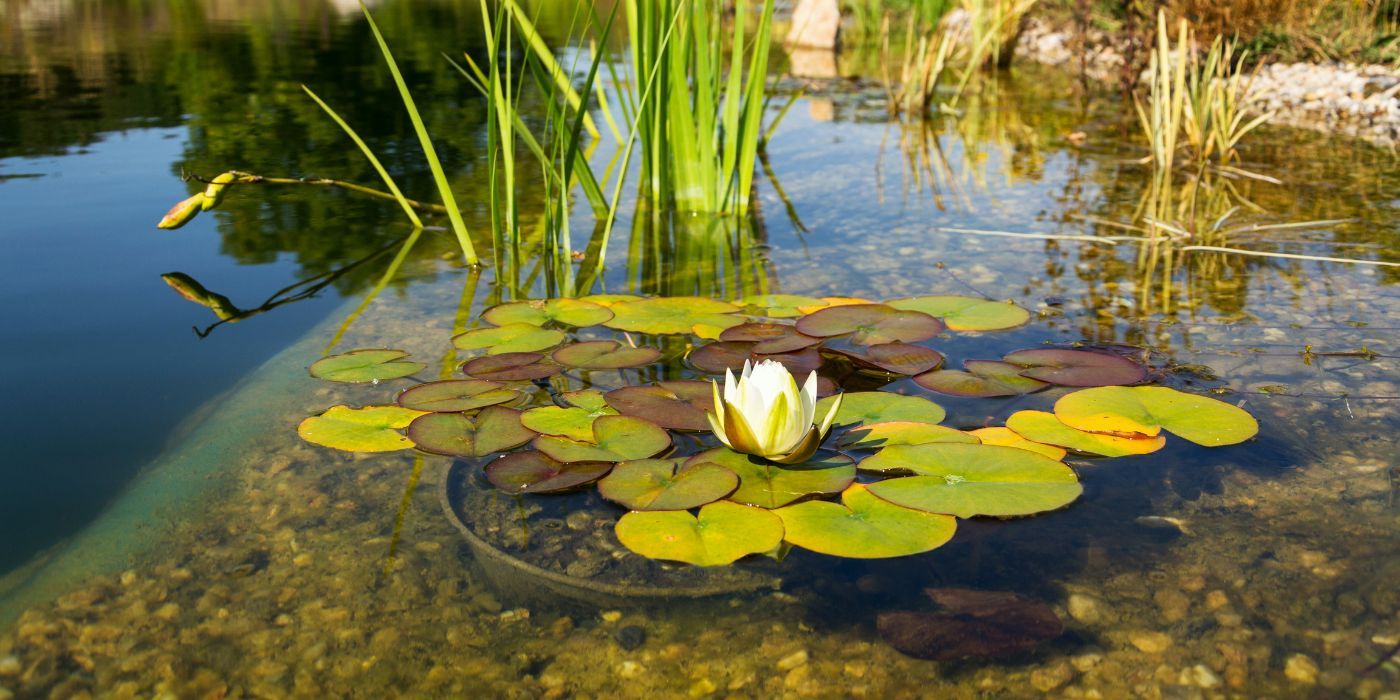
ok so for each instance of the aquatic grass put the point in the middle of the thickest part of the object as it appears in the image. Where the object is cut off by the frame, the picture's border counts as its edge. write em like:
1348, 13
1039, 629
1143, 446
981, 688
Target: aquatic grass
993, 27
1216, 104
369, 155
923, 61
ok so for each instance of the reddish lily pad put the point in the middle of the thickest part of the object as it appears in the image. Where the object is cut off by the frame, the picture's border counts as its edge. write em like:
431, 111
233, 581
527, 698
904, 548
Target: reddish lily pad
604, 354
864, 527
1077, 367
870, 324
512, 338
511, 366
972, 624
537, 312
657, 484
494, 429
358, 366
455, 395
769, 338
877, 435
967, 313
715, 358
678, 405
532, 472
983, 378
897, 358
615, 439
768, 485
720, 534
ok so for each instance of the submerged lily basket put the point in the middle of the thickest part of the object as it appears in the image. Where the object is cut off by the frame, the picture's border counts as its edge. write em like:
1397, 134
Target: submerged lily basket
599, 455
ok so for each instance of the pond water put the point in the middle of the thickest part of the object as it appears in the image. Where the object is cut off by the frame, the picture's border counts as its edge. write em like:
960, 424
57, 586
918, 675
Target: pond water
165, 530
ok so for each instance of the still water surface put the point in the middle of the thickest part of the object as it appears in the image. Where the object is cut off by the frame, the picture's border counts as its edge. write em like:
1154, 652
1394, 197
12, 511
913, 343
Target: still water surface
1266, 568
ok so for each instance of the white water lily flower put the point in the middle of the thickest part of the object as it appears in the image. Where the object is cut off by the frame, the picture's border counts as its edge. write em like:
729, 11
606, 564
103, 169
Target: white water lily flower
764, 414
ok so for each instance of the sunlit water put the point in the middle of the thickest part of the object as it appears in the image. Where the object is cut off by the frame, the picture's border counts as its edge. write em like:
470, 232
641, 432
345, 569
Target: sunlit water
243, 562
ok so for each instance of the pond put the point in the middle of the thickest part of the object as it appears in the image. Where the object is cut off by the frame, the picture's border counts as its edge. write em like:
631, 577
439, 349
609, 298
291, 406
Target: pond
166, 530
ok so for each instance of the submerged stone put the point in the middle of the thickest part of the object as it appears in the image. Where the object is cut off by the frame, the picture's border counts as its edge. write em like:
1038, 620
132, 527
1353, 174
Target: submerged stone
973, 624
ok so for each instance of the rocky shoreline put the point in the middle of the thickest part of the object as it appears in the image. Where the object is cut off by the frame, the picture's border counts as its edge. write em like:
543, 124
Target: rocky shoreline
1361, 101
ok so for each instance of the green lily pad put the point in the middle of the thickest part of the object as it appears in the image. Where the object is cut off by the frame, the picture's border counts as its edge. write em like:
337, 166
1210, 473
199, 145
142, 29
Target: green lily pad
877, 435
1007, 437
1147, 410
615, 439
897, 358
768, 485
532, 472
537, 312
574, 422
368, 429
721, 534
983, 378
359, 366
610, 300
716, 358
769, 338
516, 337
866, 407
669, 315
1042, 427
493, 429
656, 484
870, 324
678, 405
511, 366
604, 354
971, 480
864, 527
967, 313
1077, 367
780, 305
455, 395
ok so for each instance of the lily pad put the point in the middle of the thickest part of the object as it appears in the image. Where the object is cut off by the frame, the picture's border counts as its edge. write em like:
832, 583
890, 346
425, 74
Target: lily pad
615, 439
898, 358
656, 484
512, 338
573, 422
1043, 427
493, 429
833, 301
669, 315
967, 313
368, 429
532, 472
1077, 367
971, 480
1147, 410
769, 338
604, 354
511, 366
870, 324
358, 366
721, 534
1007, 437
455, 395
972, 624
678, 405
715, 358
866, 407
864, 527
569, 312
609, 300
768, 485
877, 435
780, 305
983, 378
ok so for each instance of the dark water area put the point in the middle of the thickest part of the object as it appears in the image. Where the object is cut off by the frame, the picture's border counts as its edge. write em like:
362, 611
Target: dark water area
165, 530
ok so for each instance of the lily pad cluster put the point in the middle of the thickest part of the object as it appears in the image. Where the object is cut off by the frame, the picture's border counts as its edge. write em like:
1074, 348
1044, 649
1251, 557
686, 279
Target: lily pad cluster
611, 392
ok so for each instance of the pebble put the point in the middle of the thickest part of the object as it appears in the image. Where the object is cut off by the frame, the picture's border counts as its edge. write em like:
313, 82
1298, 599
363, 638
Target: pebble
1301, 669
1173, 604
9, 666
630, 637
793, 660
1216, 600
1150, 642
630, 669
1085, 609
1200, 676
1051, 677
612, 615
701, 688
